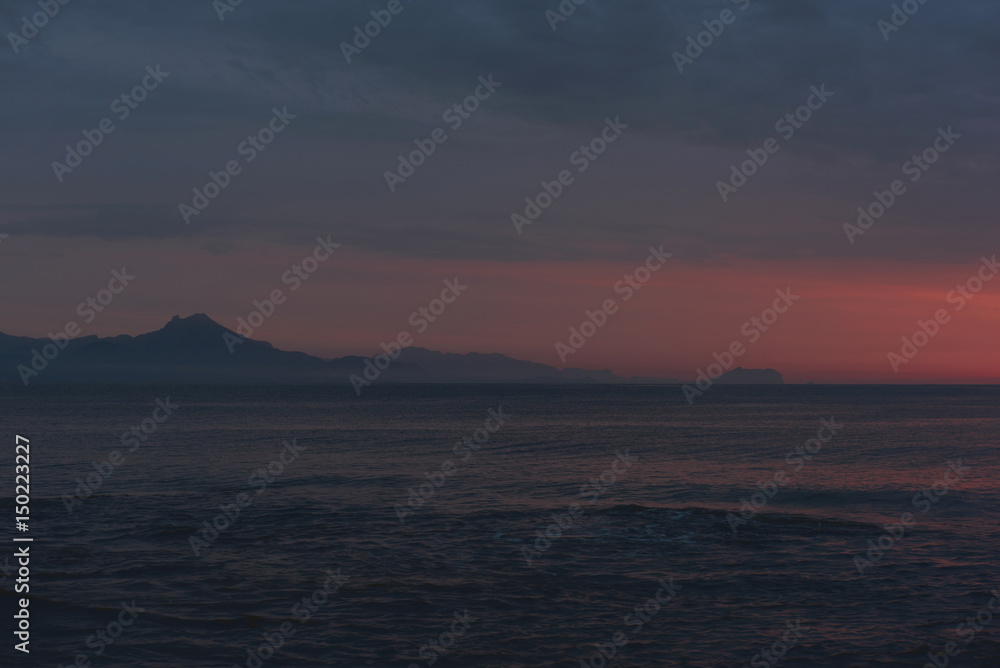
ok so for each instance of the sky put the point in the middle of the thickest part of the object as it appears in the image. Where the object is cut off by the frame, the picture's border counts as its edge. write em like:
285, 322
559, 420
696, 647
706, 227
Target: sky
678, 123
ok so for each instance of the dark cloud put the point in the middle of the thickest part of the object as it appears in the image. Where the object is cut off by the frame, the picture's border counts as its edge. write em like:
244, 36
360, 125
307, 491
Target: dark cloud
607, 59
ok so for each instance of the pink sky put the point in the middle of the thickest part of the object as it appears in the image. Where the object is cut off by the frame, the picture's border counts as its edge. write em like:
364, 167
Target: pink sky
851, 314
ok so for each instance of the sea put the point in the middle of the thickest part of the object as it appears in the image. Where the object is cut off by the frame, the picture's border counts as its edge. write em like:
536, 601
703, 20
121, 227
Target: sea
504, 526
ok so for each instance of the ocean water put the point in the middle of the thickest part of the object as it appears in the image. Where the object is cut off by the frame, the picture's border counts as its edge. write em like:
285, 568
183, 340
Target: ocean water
412, 548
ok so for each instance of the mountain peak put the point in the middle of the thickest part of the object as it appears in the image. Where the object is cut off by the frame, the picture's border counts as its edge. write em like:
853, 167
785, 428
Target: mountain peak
196, 321
197, 326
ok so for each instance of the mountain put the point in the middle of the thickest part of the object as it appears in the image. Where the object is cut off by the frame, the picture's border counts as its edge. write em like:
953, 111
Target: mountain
185, 350
197, 349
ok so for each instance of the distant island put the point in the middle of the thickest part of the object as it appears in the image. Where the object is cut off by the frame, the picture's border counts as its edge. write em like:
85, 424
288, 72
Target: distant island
197, 349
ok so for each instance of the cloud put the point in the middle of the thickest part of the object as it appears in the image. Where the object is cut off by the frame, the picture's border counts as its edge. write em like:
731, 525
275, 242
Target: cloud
606, 59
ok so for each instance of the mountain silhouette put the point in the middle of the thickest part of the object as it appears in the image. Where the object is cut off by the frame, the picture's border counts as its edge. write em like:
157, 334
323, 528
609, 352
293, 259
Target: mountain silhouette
196, 349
